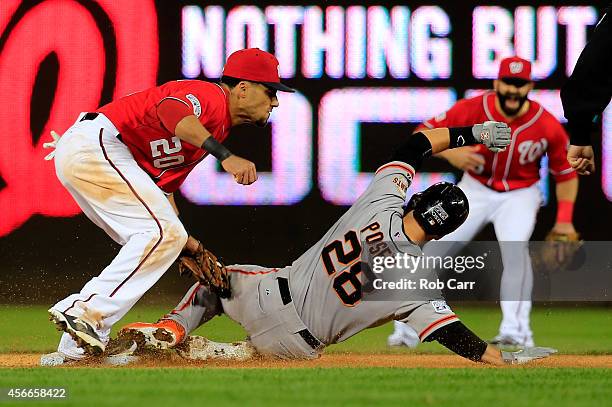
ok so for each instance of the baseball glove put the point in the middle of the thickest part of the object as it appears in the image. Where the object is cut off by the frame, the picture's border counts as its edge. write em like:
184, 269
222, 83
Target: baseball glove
557, 252
206, 268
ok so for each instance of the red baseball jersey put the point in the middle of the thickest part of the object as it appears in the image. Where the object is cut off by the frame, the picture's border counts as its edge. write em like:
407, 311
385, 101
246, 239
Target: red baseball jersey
166, 158
533, 134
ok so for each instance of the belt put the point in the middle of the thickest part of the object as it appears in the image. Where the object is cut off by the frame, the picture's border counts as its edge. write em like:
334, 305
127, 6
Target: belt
283, 287
89, 116
93, 116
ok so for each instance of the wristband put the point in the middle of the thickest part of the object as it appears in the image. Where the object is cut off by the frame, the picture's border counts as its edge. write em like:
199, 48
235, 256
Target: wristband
565, 211
216, 149
461, 136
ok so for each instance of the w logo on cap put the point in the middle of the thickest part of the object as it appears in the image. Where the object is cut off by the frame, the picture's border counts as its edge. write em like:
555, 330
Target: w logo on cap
516, 67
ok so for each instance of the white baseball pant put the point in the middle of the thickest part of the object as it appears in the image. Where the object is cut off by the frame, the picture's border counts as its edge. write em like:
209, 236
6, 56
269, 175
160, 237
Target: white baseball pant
117, 195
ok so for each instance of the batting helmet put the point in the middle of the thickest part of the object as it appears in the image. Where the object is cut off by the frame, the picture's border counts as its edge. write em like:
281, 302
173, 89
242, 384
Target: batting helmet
440, 209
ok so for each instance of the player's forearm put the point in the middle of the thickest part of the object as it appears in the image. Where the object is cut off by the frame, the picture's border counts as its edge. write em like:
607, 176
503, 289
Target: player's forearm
421, 128
190, 130
566, 196
179, 119
567, 190
442, 139
443, 154
459, 339
423, 144
438, 138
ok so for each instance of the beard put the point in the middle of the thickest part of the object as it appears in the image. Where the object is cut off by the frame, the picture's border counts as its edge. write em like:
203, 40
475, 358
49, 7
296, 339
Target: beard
262, 122
504, 97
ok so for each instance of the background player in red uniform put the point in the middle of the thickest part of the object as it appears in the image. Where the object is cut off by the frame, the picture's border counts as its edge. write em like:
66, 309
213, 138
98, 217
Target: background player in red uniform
502, 188
122, 164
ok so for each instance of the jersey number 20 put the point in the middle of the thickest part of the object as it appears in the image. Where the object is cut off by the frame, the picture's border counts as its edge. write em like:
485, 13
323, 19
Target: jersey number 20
168, 160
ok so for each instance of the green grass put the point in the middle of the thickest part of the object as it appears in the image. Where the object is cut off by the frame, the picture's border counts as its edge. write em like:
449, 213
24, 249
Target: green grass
313, 387
571, 330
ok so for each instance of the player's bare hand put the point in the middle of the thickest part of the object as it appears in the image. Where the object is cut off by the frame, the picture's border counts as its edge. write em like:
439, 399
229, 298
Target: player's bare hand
494, 135
243, 170
465, 158
582, 159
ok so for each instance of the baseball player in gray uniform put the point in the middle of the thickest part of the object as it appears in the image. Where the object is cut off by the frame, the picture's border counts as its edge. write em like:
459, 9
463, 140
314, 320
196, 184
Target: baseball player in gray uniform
295, 311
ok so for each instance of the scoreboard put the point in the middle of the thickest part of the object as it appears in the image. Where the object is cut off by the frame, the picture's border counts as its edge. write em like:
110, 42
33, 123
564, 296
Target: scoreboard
379, 69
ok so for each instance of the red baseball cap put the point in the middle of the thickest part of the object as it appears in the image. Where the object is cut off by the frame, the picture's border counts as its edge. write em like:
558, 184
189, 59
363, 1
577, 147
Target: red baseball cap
515, 67
255, 65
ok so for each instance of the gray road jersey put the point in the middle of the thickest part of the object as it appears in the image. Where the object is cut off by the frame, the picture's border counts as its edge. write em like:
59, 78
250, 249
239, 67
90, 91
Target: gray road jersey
320, 280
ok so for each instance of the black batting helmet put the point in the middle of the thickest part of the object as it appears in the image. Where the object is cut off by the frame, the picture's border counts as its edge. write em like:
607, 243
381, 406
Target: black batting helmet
440, 209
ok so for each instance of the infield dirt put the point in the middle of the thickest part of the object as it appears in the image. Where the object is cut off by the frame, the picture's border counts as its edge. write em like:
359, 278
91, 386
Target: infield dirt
29, 360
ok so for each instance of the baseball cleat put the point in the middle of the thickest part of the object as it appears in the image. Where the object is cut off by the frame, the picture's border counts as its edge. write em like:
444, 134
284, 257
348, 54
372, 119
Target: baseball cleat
398, 339
200, 348
56, 359
120, 360
59, 359
164, 334
122, 355
529, 343
505, 342
81, 331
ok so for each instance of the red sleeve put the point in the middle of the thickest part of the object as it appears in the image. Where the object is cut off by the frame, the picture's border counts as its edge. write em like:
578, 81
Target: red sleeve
171, 111
457, 116
202, 98
557, 153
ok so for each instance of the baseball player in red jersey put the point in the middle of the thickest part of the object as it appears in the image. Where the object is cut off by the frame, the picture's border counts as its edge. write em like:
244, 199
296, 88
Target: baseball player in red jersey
503, 186
123, 162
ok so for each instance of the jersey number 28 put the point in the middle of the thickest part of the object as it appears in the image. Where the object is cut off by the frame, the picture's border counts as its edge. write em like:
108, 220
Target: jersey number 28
347, 283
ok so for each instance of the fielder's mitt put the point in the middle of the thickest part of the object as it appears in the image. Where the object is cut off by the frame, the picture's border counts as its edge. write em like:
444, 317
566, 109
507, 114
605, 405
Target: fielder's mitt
205, 267
557, 252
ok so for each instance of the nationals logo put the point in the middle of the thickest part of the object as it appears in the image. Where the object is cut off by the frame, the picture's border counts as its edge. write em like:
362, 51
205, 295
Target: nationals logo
93, 52
516, 67
530, 151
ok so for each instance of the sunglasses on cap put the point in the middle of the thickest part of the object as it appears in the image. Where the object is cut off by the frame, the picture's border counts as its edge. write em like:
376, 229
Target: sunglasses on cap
518, 82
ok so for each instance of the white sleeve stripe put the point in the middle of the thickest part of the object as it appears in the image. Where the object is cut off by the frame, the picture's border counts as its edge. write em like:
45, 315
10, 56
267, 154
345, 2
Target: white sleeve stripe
437, 324
397, 164
428, 125
566, 171
173, 98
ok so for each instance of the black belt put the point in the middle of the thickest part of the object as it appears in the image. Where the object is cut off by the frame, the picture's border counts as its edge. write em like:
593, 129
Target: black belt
283, 287
89, 116
93, 116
